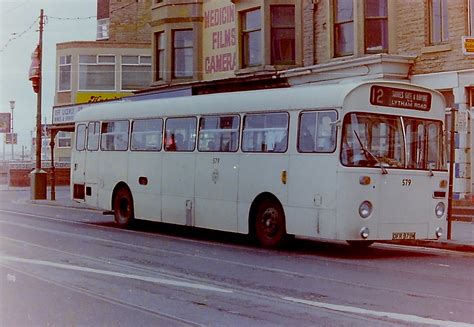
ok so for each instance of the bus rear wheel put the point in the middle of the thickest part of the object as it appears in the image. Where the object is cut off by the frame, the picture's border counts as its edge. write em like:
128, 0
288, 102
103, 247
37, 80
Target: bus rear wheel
123, 207
270, 229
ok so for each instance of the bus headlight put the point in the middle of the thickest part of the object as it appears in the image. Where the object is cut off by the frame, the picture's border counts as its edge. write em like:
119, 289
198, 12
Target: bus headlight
365, 209
439, 210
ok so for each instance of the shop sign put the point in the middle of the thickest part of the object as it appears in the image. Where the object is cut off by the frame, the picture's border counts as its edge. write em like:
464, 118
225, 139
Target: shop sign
95, 97
468, 45
220, 39
62, 115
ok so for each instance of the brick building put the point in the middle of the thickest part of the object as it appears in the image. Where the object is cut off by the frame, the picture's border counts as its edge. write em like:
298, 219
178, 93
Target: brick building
115, 65
321, 41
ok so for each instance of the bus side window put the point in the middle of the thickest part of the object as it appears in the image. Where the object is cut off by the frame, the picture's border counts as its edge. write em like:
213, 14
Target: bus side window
146, 135
81, 137
114, 136
180, 134
93, 136
265, 132
218, 133
317, 132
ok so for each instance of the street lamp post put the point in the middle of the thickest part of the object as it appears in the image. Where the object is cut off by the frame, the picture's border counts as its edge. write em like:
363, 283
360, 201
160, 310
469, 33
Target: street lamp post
12, 106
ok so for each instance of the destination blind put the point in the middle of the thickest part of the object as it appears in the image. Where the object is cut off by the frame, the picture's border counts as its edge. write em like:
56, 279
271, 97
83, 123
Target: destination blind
400, 98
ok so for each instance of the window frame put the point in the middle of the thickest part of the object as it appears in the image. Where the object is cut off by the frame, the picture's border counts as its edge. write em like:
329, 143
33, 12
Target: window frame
78, 134
64, 136
102, 148
245, 57
336, 24
160, 56
384, 18
62, 65
97, 132
470, 19
160, 137
174, 56
97, 63
165, 136
138, 64
275, 27
244, 118
334, 136
237, 130
443, 28
103, 27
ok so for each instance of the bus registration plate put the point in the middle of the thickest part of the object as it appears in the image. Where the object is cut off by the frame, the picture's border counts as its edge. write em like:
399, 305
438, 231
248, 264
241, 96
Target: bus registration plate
404, 236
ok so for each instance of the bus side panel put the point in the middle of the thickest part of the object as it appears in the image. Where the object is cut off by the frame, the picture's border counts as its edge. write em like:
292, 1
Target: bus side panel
216, 191
113, 169
178, 188
144, 179
312, 195
78, 160
257, 176
91, 177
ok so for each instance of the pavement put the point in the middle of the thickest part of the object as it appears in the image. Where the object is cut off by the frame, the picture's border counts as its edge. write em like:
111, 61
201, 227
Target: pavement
462, 232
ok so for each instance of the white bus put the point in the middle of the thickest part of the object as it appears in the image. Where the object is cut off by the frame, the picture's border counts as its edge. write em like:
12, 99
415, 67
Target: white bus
359, 162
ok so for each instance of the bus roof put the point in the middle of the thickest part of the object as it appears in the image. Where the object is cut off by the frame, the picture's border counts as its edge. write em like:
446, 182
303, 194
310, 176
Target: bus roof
309, 97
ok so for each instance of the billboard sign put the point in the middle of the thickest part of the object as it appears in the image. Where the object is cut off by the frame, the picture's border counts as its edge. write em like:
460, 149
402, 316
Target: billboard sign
11, 138
5, 120
219, 39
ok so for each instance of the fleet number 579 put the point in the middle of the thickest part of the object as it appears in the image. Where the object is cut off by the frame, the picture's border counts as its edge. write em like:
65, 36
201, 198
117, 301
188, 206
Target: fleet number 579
406, 182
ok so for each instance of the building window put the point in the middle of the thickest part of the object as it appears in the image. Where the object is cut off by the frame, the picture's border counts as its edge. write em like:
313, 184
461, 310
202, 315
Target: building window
438, 21
160, 55
376, 26
343, 28
64, 140
471, 17
103, 29
136, 72
96, 73
183, 53
251, 38
64, 73
283, 35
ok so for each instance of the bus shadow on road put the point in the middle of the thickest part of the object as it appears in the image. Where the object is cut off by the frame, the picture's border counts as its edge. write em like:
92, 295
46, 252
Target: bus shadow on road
293, 247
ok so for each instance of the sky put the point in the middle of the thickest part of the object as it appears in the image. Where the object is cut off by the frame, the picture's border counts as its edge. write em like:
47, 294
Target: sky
66, 20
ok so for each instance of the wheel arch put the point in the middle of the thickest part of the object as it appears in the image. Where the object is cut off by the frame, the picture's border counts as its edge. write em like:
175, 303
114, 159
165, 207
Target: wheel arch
254, 207
118, 186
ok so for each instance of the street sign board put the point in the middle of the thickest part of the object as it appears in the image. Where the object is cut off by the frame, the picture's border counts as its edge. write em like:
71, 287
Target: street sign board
5, 120
11, 138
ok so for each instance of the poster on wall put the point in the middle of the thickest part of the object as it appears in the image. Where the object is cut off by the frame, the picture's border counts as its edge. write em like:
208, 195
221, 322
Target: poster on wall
219, 39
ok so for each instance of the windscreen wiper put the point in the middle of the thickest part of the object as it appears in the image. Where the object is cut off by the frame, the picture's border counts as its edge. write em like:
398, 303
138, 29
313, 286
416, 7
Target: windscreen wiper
368, 152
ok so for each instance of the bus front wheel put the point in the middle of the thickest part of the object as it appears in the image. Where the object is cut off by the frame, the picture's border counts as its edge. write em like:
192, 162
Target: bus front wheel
123, 207
270, 229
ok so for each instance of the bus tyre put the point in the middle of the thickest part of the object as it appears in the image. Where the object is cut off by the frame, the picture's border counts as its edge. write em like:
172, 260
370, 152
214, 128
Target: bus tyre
270, 229
123, 207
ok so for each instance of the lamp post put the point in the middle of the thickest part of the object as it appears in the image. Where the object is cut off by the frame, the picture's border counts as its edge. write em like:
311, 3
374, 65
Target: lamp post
12, 106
